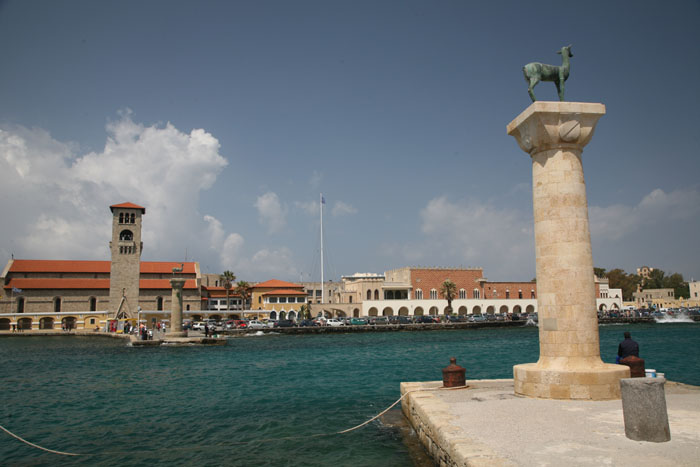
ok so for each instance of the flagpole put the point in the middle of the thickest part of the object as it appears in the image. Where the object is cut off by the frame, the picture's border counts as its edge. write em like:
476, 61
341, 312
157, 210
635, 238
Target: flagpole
323, 292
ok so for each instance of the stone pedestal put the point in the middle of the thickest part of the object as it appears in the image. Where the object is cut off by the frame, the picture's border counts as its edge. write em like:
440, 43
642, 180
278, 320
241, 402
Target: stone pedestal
644, 409
569, 367
177, 284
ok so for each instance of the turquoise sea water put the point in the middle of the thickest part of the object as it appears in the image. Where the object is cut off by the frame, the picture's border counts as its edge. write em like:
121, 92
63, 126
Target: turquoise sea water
232, 405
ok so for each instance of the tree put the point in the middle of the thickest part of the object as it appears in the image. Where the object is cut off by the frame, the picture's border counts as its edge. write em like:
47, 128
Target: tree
242, 289
599, 272
305, 311
619, 279
227, 277
448, 290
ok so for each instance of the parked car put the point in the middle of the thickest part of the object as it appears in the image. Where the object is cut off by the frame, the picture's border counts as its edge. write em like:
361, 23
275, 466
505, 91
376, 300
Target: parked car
285, 323
358, 321
378, 320
334, 322
307, 323
255, 324
490, 317
400, 320
456, 318
477, 319
425, 319
198, 326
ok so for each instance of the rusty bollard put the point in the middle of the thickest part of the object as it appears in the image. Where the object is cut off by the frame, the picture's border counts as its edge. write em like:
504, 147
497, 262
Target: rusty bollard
453, 375
636, 365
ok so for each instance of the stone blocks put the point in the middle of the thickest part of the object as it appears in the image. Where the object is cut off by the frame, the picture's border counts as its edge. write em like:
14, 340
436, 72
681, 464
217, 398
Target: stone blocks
644, 409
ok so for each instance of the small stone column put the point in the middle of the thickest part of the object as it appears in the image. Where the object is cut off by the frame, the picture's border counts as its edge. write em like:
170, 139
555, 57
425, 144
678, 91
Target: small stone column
177, 283
569, 367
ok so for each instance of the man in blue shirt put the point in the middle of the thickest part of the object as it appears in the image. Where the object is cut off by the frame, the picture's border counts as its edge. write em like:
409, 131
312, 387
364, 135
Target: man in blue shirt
627, 347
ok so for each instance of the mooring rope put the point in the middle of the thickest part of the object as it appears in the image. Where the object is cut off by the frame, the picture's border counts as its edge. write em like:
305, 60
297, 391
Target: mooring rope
63, 453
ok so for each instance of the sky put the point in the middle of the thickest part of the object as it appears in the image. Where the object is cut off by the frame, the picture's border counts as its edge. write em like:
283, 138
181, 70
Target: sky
226, 120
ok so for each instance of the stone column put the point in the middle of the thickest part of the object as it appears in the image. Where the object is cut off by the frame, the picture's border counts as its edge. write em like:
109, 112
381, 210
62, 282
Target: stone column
569, 367
177, 283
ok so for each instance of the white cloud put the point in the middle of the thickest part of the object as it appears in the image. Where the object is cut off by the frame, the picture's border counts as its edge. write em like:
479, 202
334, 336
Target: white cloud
310, 208
271, 213
657, 208
60, 198
340, 208
471, 233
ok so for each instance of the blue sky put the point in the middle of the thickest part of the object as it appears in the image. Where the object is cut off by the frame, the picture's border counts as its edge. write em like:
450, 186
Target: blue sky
227, 119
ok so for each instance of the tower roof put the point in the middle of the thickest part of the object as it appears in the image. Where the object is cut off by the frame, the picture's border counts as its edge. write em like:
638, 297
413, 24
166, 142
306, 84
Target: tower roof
128, 206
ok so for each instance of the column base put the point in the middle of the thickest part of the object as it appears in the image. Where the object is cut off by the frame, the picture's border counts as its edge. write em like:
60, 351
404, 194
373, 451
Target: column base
596, 384
176, 334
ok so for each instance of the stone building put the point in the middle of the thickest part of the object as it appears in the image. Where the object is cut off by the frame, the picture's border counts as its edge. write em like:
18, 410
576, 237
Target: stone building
46, 294
276, 299
658, 298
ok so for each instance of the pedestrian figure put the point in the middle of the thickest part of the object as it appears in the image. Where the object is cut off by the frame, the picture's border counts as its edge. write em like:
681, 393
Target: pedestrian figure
627, 347
206, 330
14, 328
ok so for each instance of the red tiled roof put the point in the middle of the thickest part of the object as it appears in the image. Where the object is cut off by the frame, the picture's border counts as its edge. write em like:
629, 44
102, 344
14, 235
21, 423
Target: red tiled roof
43, 265
285, 292
277, 284
155, 267
58, 284
88, 284
48, 265
128, 206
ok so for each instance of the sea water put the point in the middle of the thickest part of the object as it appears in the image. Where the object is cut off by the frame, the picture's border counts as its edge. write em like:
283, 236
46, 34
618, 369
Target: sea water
259, 400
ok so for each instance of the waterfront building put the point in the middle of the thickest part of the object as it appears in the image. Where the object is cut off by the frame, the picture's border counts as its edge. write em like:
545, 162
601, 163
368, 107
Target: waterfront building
276, 299
654, 298
415, 291
694, 287
48, 294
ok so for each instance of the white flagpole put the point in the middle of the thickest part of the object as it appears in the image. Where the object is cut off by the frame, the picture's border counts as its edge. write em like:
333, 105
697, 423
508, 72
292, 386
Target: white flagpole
323, 292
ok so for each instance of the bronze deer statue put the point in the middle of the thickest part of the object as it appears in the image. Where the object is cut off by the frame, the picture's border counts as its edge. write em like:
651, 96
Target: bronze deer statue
176, 270
535, 72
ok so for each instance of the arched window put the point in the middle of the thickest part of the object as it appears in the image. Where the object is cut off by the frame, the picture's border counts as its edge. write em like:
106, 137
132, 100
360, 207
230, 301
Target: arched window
532, 293
350, 298
57, 305
133, 218
369, 295
126, 235
159, 303
20, 305
520, 294
495, 293
419, 294
93, 304
476, 293
462, 294
433, 294
376, 294
507, 294
188, 308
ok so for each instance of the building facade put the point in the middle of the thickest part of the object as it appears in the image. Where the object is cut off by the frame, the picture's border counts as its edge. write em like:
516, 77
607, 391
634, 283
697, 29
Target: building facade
50, 294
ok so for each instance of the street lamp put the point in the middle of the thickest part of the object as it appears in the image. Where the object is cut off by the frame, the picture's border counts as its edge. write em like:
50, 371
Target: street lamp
138, 324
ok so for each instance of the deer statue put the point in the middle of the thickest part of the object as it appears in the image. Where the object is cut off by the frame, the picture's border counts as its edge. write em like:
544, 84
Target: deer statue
535, 72
176, 270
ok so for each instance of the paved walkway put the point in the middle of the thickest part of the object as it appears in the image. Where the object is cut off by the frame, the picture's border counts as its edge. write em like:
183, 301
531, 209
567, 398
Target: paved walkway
488, 425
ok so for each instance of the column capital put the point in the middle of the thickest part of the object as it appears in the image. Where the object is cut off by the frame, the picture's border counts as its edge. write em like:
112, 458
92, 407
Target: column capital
555, 125
177, 282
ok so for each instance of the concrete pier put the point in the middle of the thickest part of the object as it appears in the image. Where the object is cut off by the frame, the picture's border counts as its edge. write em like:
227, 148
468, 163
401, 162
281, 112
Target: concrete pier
488, 425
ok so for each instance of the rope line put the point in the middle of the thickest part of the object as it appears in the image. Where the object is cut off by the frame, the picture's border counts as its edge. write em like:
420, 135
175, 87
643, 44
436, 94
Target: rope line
36, 445
287, 438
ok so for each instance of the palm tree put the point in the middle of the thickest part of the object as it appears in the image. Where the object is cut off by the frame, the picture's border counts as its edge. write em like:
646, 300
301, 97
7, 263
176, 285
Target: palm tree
242, 289
448, 290
227, 277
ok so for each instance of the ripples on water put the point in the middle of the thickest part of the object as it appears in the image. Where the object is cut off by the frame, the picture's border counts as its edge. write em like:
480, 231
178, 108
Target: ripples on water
193, 405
